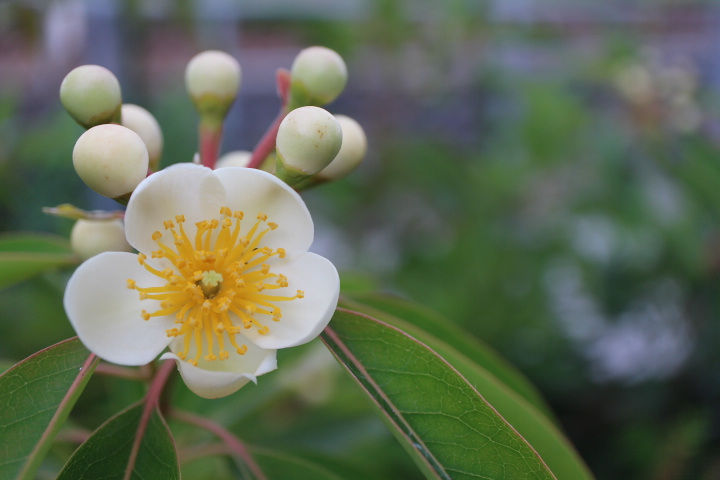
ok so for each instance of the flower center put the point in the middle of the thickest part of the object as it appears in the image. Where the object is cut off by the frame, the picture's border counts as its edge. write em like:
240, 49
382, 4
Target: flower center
210, 283
217, 285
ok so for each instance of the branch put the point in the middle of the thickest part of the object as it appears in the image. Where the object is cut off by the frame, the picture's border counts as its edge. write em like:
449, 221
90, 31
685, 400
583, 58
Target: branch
151, 403
231, 441
267, 143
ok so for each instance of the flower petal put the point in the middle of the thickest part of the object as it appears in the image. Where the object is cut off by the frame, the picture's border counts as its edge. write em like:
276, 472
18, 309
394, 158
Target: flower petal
220, 378
106, 314
181, 189
304, 318
255, 191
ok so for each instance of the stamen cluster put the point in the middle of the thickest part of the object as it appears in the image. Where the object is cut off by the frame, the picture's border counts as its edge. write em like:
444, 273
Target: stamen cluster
217, 284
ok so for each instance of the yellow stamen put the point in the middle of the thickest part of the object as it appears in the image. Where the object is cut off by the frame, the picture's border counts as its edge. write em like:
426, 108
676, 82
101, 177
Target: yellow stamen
217, 283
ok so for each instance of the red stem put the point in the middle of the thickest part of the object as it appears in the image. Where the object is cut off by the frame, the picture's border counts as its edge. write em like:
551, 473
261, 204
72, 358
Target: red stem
85, 370
226, 436
122, 372
151, 403
195, 452
267, 143
210, 137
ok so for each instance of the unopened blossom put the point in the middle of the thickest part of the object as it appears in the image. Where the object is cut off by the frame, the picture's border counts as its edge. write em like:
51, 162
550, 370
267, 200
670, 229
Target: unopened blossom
223, 278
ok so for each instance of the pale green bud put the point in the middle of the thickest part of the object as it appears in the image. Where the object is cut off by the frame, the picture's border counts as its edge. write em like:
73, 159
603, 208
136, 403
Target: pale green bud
318, 76
352, 151
212, 79
111, 159
91, 237
91, 95
308, 139
143, 123
238, 158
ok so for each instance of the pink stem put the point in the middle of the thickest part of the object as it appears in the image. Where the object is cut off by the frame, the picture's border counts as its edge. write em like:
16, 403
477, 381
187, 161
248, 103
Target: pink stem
121, 372
151, 403
267, 143
196, 452
86, 370
230, 440
210, 144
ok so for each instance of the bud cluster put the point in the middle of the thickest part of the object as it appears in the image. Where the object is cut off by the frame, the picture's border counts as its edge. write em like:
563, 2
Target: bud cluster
123, 143
312, 145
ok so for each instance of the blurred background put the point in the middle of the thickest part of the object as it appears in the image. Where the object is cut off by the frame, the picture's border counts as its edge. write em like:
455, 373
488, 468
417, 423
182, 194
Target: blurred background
544, 174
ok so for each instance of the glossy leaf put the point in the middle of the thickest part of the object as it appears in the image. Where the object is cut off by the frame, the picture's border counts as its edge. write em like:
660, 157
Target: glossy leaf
36, 396
279, 466
376, 304
442, 421
531, 423
107, 454
24, 255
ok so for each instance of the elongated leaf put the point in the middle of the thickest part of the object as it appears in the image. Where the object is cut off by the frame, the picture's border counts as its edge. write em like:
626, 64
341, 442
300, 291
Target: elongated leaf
107, 454
442, 421
34, 242
280, 466
379, 305
24, 255
36, 396
536, 428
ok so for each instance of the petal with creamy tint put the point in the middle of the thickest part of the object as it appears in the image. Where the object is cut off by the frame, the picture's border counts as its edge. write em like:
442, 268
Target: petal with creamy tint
220, 378
181, 189
255, 191
304, 318
106, 314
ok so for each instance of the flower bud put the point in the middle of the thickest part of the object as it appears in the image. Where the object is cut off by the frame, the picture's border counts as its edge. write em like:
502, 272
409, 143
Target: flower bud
111, 159
91, 95
308, 139
318, 76
238, 158
352, 151
142, 122
212, 79
90, 237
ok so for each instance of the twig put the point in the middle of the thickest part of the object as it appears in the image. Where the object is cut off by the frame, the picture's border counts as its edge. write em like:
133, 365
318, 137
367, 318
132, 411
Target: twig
267, 143
231, 441
122, 372
151, 403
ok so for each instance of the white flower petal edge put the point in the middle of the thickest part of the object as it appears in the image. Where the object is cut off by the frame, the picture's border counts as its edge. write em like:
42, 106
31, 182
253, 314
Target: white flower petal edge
180, 189
304, 318
254, 191
221, 378
106, 314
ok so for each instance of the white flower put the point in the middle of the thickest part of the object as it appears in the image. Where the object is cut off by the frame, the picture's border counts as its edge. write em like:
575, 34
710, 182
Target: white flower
223, 278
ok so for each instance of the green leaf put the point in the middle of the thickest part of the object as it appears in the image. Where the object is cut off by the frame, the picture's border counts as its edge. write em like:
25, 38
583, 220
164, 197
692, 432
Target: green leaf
280, 466
442, 421
34, 242
36, 396
24, 255
108, 453
380, 305
531, 423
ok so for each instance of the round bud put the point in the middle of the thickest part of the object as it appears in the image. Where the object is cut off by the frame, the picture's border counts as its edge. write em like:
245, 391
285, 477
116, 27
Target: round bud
90, 237
91, 95
111, 159
352, 151
212, 79
142, 122
238, 158
308, 139
318, 76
